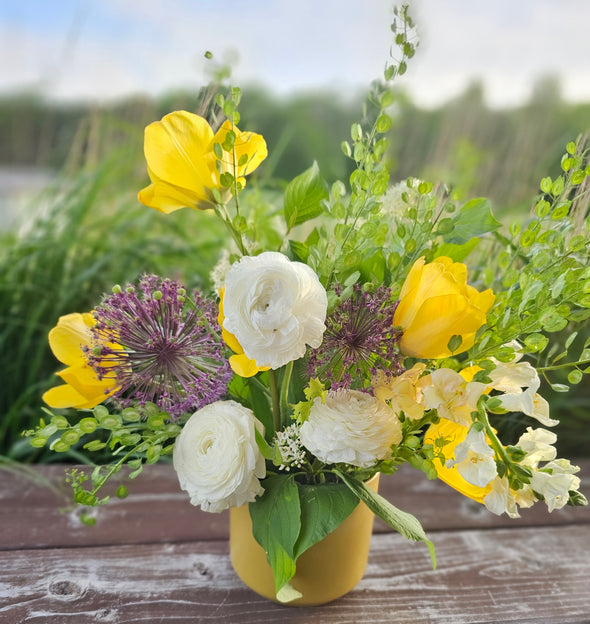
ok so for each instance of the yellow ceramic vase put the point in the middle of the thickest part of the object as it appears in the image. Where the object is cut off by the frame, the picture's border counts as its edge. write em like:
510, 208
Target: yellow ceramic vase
326, 571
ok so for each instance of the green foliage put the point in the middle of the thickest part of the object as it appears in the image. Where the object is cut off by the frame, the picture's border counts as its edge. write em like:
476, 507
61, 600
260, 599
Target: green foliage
134, 438
401, 521
303, 197
541, 274
92, 235
290, 517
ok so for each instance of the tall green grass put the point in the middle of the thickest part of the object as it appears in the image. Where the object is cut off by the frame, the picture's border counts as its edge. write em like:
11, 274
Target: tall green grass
93, 234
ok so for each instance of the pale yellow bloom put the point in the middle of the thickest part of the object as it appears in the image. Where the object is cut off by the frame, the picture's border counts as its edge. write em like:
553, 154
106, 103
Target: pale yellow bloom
435, 304
451, 395
83, 388
403, 392
182, 164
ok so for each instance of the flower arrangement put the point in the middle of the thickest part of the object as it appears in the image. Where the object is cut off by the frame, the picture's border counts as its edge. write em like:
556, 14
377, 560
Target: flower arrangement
344, 338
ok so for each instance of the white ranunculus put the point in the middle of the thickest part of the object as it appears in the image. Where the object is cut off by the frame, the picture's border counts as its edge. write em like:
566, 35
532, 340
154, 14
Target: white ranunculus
351, 427
274, 307
217, 459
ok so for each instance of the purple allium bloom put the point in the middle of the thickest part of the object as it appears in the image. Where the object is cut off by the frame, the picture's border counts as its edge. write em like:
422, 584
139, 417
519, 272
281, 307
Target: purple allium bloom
359, 340
158, 351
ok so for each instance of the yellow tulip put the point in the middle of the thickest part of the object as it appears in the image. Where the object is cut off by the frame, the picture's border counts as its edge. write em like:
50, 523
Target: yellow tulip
182, 164
83, 388
436, 303
240, 363
453, 433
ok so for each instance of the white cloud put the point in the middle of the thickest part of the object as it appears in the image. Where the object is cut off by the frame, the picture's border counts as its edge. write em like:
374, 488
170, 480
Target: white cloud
126, 46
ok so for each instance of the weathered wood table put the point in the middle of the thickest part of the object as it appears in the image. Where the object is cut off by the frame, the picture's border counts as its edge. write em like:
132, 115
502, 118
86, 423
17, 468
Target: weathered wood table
153, 558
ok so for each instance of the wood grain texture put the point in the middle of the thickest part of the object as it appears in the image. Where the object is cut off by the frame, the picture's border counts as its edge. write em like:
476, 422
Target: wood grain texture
484, 576
158, 511
153, 558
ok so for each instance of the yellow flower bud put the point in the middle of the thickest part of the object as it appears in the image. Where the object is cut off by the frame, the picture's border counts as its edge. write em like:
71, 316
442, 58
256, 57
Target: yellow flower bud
435, 304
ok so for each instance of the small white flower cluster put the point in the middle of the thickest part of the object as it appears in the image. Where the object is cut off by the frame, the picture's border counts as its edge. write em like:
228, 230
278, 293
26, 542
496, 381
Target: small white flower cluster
290, 447
392, 203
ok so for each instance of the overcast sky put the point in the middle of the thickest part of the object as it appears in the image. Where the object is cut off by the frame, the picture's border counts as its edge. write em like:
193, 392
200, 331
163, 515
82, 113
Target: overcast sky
100, 49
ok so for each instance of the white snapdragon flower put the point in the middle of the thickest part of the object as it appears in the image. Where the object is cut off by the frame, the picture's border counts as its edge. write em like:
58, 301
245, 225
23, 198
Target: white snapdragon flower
529, 402
452, 396
554, 482
538, 446
351, 427
217, 459
274, 308
474, 459
511, 378
500, 499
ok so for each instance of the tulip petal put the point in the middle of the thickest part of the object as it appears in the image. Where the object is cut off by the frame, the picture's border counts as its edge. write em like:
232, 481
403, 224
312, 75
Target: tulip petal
67, 338
177, 150
437, 319
243, 366
85, 381
167, 198
246, 143
65, 396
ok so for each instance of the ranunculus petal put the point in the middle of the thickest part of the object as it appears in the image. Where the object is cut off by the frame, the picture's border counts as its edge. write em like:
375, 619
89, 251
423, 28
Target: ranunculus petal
216, 456
274, 308
351, 427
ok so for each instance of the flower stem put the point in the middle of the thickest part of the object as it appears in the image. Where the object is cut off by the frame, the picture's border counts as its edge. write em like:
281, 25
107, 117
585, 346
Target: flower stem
566, 365
231, 229
284, 401
275, 399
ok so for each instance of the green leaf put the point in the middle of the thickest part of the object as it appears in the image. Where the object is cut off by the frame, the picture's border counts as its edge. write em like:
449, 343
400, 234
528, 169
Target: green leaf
263, 446
473, 219
276, 522
403, 522
303, 197
458, 253
323, 509
260, 405
299, 250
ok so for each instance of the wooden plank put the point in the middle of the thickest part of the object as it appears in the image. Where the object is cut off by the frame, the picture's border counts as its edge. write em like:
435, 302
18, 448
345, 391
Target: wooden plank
526, 575
158, 511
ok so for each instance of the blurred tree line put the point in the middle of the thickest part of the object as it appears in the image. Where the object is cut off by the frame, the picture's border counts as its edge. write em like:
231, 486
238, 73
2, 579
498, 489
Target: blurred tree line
501, 154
